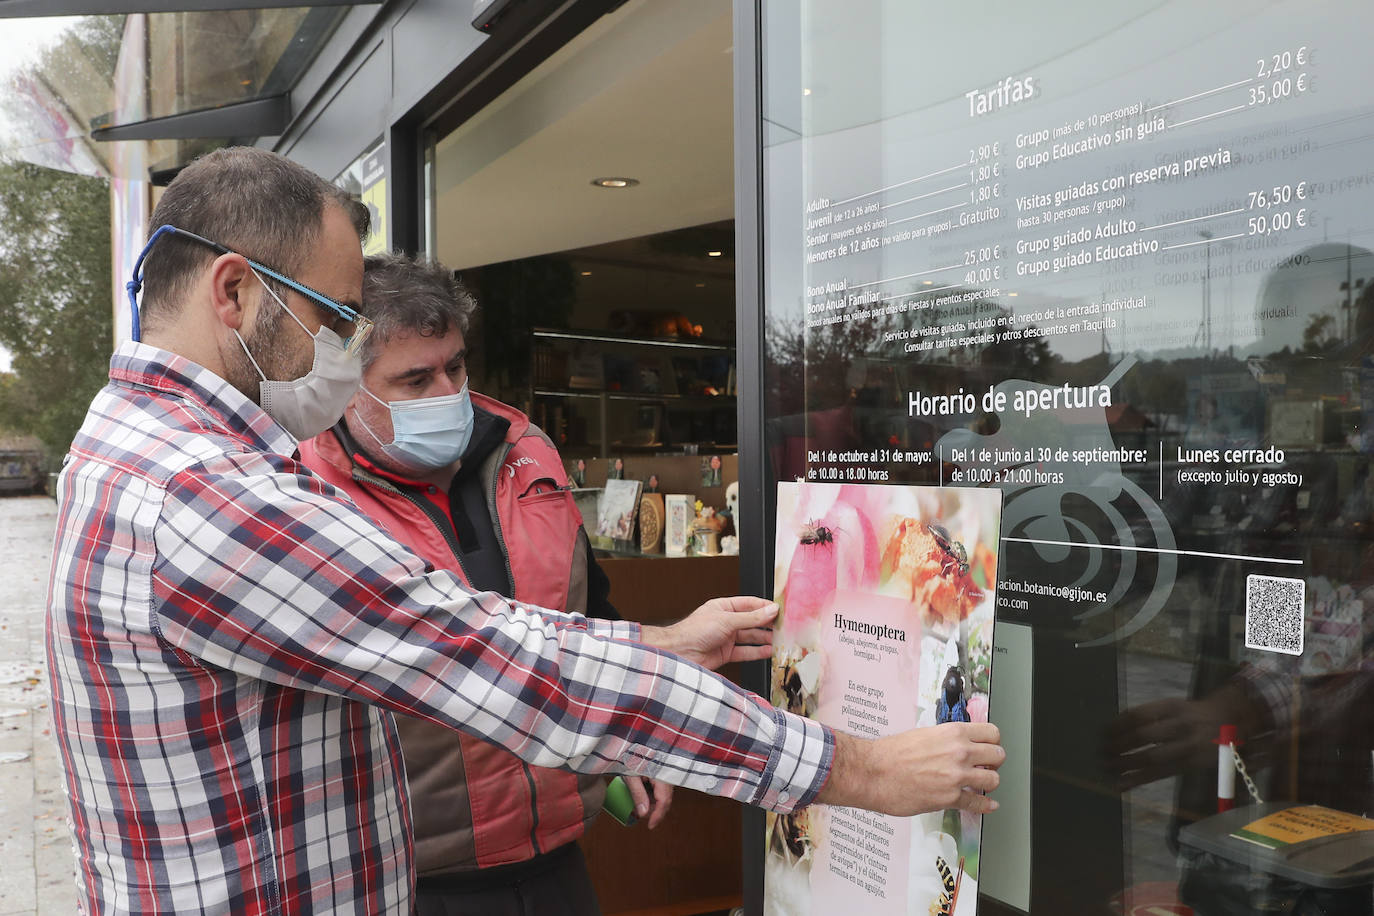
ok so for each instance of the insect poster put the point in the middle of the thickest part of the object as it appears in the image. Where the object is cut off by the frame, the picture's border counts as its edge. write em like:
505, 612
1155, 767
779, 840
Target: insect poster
887, 597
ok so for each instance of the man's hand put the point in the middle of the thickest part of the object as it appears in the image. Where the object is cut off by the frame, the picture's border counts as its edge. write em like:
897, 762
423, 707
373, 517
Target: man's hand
1167, 737
721, 631
1159, 739
925, 769
656, 808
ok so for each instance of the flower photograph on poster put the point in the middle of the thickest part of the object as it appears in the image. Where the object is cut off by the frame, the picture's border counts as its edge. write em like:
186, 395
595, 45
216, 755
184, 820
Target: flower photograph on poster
887, 597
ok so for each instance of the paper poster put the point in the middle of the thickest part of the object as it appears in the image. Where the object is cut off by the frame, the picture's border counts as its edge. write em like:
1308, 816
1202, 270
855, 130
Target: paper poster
887, 597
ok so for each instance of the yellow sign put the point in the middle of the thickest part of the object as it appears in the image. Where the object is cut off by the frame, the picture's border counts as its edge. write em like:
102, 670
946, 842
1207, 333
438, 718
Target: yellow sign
1300, 824
374, 196
365, 178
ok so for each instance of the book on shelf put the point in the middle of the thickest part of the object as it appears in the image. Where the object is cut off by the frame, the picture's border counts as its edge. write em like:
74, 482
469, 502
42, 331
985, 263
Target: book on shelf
618, 509
585, 370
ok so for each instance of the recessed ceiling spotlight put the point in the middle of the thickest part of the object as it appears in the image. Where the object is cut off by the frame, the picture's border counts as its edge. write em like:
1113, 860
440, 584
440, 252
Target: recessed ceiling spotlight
927, 282
586, 273
615, 182
701, 285
1011, 294
714, 254
806, 92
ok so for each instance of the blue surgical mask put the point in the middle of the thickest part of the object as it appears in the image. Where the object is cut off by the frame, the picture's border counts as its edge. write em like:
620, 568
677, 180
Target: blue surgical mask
427, 433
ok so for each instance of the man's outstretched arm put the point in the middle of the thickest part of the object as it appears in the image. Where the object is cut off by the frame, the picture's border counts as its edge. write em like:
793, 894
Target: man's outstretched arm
263, 571
269, 575
925, 769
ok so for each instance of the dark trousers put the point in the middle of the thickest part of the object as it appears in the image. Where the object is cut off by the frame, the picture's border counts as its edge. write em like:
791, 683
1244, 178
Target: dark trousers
554, 884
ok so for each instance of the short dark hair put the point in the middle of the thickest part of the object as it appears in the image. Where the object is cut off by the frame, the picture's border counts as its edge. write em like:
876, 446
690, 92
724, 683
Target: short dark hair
401, 293
255, 202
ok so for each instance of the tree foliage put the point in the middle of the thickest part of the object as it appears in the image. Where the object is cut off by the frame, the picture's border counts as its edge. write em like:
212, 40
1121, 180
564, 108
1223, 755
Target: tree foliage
55, 299
824, 367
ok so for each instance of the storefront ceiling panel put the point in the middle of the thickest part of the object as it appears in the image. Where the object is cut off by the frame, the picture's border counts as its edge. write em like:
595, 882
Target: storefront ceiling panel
436, 41
645, 93
360, 109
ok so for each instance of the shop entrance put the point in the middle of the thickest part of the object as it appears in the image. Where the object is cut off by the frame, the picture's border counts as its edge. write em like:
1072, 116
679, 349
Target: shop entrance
590, 209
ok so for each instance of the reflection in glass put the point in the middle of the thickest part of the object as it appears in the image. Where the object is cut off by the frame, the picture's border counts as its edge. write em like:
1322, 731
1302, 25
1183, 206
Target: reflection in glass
118, 69
1114, 259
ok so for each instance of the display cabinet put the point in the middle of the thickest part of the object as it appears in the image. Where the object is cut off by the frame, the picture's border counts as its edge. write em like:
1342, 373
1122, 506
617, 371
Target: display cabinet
599, 393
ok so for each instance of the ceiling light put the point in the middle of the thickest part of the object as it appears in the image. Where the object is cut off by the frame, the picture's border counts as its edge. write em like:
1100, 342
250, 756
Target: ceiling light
1011, 294
927, 282
714, 254
586, 273
615, 182
700, 285
806, 92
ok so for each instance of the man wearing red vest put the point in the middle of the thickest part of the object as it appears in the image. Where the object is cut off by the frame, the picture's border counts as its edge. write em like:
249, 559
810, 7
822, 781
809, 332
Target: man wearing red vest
472, 486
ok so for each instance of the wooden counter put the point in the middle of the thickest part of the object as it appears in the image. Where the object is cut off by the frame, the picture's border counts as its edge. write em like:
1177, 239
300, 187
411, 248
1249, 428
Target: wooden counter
691, 863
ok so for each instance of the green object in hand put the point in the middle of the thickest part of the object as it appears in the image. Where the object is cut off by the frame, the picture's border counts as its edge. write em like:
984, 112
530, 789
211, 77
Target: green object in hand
619, 804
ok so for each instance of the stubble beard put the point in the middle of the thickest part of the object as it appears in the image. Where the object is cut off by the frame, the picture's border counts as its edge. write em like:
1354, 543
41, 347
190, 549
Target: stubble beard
272, 350
367, 421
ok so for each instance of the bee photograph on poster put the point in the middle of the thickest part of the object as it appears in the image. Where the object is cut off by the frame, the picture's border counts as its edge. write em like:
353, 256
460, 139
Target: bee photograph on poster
887, 596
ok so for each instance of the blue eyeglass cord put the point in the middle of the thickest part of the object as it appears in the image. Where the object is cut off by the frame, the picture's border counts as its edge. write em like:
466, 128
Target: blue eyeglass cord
136, 284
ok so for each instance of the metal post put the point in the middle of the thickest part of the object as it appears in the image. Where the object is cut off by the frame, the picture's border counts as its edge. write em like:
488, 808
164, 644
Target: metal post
755, 506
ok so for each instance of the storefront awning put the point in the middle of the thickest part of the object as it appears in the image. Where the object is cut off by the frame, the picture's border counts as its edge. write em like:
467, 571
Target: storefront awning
174, 77
16, 9
264, 117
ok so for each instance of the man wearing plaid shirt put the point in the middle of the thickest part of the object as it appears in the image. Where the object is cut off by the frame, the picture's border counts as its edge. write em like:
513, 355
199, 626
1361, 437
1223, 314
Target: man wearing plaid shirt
229, 637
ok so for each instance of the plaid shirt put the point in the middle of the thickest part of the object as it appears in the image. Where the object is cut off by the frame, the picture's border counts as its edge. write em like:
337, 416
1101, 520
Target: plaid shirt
228, 638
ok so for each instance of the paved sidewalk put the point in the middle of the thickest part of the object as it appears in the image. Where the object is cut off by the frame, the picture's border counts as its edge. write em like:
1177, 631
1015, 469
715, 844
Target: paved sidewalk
36, 863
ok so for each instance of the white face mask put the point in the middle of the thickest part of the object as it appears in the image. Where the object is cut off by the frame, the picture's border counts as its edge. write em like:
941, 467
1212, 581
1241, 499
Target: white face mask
307, 406
427, 433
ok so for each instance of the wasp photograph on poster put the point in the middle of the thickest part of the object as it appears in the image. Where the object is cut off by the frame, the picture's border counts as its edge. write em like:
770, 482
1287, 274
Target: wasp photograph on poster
887, 597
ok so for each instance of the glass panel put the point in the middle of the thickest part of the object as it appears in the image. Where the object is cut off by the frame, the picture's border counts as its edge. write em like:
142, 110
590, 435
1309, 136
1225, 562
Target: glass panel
624, 348
641, 94
608, 309
60, 76
105, 70
208, 59
1118, 261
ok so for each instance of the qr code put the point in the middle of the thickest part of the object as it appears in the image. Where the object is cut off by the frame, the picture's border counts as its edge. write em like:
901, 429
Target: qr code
1274, 614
